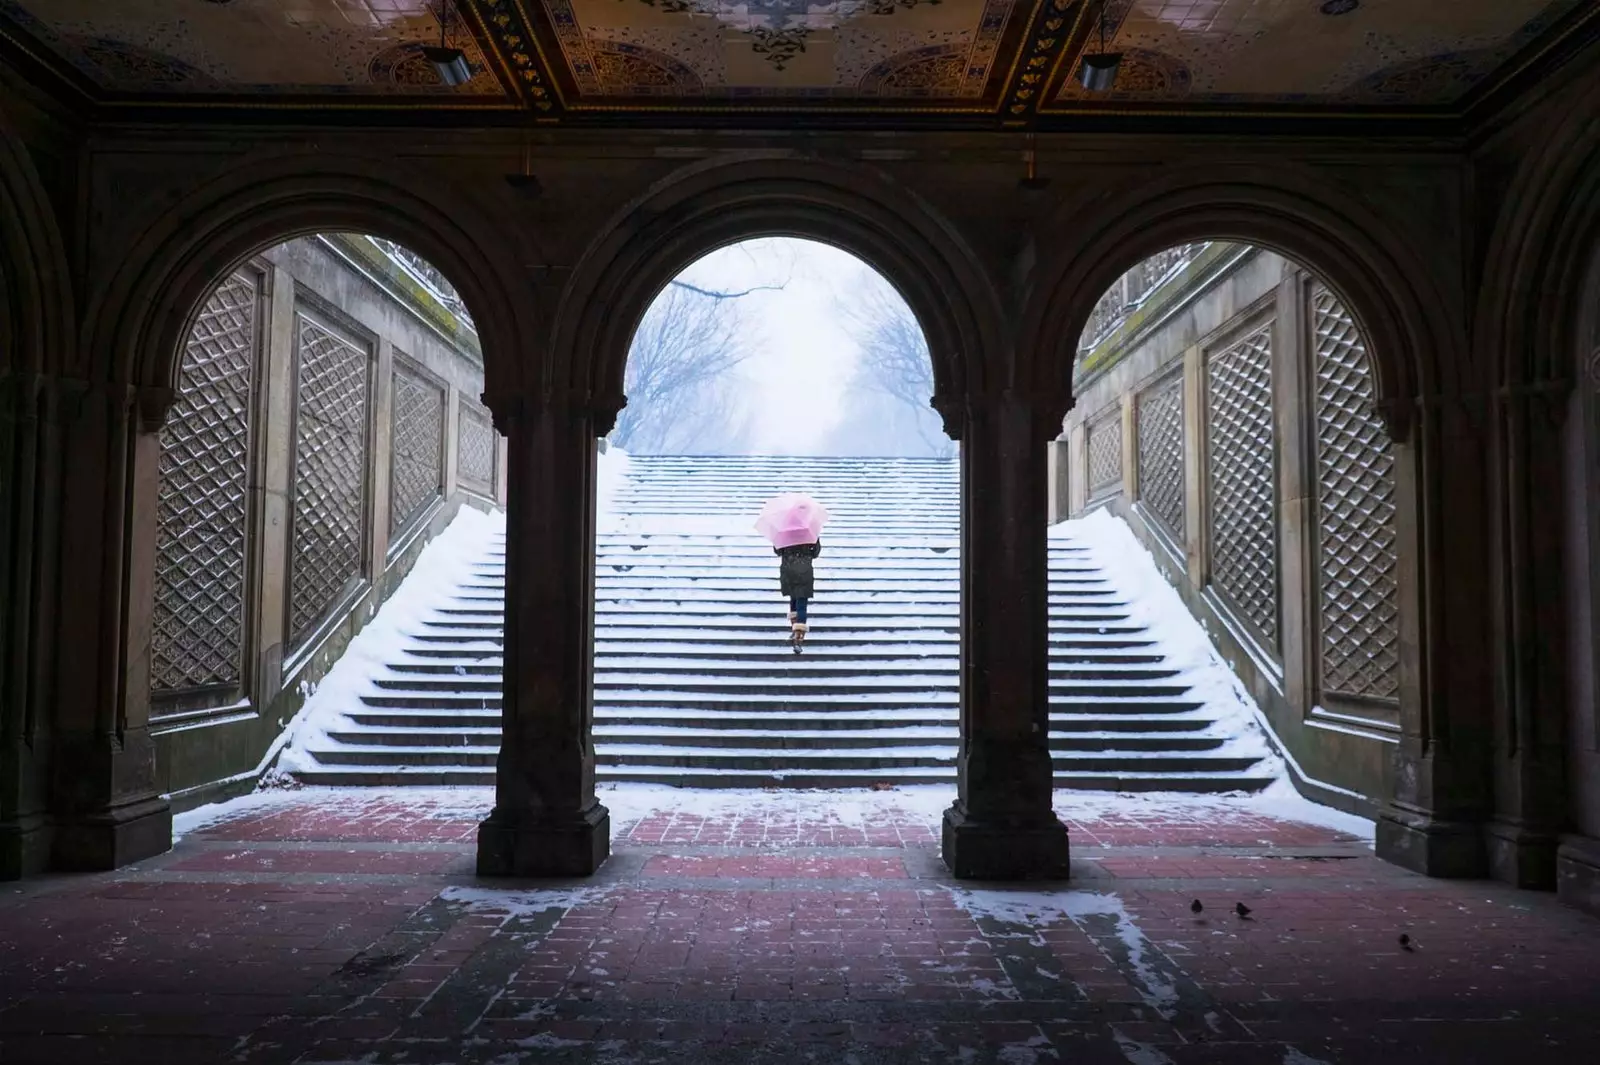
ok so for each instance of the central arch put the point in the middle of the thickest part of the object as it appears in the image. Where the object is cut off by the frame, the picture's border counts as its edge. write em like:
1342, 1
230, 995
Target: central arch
857, 209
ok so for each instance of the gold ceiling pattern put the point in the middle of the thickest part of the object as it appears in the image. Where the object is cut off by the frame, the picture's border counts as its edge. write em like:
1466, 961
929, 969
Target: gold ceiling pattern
1009, 58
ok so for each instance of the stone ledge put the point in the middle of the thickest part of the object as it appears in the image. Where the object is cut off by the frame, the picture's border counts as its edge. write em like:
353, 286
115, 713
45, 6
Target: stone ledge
978, 850
1448, 849
1578, 873
508, 846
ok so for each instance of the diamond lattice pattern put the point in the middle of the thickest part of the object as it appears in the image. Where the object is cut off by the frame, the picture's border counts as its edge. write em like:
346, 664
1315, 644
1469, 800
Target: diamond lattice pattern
1244, 541
1356, 513
1105, 455
416, 455
330, 484
1161, 454
475, 447
198, 637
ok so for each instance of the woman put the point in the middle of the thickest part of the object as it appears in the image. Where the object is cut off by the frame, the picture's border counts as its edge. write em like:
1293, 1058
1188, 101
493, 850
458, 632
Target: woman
797, 581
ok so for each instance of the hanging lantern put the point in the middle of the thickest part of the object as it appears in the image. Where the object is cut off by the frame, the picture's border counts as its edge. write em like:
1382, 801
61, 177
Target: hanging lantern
449, 63
1097, 73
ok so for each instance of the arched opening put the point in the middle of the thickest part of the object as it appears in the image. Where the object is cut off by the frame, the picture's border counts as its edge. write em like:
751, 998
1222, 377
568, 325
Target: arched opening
1228, 424
769, 366
325, 431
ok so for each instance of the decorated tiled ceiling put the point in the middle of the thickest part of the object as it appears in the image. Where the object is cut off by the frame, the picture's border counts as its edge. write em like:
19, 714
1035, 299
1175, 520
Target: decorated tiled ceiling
1010, 58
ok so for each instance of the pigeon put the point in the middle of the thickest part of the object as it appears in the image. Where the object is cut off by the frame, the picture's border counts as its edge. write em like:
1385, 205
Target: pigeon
1195, 907
1405, 942
1242, 910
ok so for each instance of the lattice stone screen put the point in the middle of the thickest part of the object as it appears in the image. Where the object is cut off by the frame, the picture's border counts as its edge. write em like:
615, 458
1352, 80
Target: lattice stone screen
1161, 454
198, 638
1243, 510
475, 447
1104, 448
327, 550
1358, 554
416, 446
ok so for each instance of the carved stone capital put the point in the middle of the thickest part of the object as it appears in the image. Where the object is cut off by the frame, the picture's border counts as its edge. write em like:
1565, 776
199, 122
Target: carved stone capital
19, 396
509, 409
1044, 410
1545, 399
1470, 409
154, 402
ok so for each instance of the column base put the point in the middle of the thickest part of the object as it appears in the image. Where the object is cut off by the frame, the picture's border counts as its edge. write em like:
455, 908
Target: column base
110, 839
1520, 856
994, 850
1578, 873
24, 847
1447, 849
578, 846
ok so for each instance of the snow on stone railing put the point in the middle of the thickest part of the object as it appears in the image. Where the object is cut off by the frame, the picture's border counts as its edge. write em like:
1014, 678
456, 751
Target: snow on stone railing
428, 276
1132, 290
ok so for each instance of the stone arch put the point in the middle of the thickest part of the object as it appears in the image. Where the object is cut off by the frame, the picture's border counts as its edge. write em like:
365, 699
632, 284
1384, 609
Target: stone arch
1364, 258
140, 317
701, 208
1540, 259
36, 300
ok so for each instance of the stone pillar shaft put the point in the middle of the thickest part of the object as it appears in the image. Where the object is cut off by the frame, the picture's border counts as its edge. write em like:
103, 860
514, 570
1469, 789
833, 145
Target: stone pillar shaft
108, 810
1530, 727
546, 820
1432, 823
27, 473
1001, 825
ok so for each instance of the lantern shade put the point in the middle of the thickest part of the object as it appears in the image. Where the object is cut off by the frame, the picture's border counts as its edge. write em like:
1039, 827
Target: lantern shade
451, 64
1098, 73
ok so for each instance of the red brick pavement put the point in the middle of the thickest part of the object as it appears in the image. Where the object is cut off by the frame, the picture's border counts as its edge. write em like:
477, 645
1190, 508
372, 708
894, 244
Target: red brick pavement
311, 931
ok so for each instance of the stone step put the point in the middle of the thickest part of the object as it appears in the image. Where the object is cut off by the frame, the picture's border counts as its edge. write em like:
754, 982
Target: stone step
695, 684
924, 701
464, 776
844, 683
607, 735
773, 760
448, 719
764, 664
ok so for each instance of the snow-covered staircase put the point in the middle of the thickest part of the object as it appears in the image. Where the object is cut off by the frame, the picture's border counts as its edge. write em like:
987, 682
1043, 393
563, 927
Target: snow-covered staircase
695, 683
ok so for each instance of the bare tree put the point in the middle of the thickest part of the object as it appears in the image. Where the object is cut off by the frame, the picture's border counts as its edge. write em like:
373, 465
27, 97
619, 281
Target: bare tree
895, 364
679, 375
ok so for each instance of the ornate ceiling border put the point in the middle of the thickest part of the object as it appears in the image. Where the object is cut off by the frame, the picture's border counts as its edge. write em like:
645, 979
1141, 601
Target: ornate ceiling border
1057, 34
1057, 30
986, 106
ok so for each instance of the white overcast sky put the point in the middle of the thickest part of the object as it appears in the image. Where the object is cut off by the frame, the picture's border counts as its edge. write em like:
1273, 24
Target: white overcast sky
799, 357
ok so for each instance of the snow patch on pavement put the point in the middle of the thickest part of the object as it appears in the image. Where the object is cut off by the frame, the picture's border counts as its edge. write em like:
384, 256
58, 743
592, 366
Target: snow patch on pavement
521, 902
433, 803
1032, 910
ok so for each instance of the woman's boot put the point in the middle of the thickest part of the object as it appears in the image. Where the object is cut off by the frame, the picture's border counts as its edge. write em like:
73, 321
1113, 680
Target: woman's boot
797, 635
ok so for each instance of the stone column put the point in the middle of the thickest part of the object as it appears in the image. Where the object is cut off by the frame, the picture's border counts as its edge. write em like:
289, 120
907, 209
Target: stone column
27, 563
546, 820
1530, 808
1432, 823
1001, 826
107, 808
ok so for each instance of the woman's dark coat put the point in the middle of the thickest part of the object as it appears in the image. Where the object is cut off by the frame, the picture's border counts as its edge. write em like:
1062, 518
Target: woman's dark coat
795, 578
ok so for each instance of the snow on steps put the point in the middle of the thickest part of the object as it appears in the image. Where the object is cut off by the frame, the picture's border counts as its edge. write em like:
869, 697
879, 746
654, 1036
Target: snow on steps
695, 684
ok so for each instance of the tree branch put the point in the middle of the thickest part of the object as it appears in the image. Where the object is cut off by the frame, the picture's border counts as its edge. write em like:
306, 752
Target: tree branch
716, 295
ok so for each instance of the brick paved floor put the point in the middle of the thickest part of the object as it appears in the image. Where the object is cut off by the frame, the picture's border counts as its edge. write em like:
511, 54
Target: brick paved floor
309, 927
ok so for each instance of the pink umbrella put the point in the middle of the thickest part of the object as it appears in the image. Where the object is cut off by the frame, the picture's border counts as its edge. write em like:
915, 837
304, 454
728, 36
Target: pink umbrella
792, 519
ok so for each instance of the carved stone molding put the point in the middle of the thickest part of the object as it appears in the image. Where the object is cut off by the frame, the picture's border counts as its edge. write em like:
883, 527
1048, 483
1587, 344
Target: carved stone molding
508, 409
